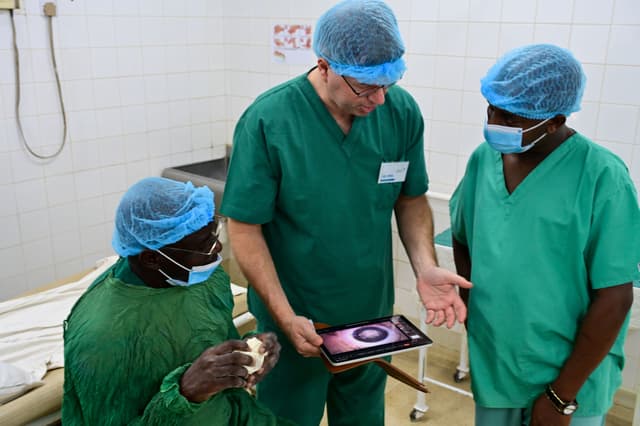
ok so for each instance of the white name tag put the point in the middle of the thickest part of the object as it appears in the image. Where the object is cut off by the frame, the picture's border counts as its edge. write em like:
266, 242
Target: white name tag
393, 172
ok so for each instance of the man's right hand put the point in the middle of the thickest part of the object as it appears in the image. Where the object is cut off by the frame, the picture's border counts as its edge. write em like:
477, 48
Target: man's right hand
216, 369
302, 336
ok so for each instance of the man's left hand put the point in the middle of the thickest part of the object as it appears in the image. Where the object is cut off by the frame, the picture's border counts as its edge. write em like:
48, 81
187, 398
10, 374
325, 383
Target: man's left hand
543, 413
437, 289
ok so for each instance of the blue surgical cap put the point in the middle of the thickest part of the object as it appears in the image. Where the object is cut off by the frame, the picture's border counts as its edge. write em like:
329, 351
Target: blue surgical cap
156, 212
538, 81
361, 39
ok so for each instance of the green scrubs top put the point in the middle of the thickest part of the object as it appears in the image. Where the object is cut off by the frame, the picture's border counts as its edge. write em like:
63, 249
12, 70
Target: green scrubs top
568, 228
127, 346
327, 220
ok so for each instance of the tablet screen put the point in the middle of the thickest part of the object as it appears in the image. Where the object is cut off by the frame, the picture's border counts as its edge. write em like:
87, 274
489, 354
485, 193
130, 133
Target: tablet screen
370, 339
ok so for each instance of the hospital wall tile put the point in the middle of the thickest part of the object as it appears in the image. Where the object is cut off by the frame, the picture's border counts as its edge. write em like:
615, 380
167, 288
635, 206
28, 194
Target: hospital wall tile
422, 38
73, 33
74, 63
157, 116
444, 137
482, 40
155, 88
154, 59
129, 61
126, 8
473, 108
554, 11
68, 268
114, 179
470, 137
585, 120
424, 10
201, 136
137, 170
407, 302
38, 277
37, 254
617, 123
558, 34
156, 31
10, 231
104, 62
442, 167
424, 98
626, 12
101, 31
11, 263
595, 77
106, 93
589, 43
30, 195
34, 225
453, 11
131, 90
447, 105
100, 8
198, 58
66, 245
109, 122
127, 30
593, 11
57, 188
514, 35
92, 238
88, 183
451, 39
635, 169
623, 45
91, 211
180, 139
63, 217
449, 72
514, 11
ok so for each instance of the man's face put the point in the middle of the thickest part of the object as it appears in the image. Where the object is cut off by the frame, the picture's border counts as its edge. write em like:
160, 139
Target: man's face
342, 93
199, 248
502, 117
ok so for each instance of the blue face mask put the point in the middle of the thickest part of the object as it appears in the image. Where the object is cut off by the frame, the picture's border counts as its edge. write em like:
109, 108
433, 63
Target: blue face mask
508, 140
197, 274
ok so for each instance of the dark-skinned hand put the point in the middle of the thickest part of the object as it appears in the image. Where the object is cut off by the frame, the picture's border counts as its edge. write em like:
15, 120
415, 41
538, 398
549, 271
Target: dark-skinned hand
216, 369
271, 346
543, 413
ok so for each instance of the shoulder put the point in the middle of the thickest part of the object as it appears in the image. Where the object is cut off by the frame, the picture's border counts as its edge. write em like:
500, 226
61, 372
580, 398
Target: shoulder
600, 164
400, 99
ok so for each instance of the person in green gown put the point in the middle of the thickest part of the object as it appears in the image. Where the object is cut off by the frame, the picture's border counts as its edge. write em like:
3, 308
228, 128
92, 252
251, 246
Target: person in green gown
320, 165
545, 223
152, 341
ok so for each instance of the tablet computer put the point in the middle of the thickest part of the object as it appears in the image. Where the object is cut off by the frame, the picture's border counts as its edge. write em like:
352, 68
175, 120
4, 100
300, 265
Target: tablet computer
370, 339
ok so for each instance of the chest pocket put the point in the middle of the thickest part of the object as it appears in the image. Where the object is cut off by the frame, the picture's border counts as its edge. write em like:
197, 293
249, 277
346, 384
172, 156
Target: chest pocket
387, 194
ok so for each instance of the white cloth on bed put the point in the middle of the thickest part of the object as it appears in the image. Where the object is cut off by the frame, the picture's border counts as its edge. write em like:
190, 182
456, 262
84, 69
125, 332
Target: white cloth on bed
31, 326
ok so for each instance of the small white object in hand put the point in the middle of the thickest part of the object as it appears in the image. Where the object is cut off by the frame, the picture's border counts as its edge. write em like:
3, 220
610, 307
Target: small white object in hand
258, 358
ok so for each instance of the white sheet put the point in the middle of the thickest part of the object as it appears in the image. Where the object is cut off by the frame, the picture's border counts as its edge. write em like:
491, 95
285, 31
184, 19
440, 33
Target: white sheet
31, 326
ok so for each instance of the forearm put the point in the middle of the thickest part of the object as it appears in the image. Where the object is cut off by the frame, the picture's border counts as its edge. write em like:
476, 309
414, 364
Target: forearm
253, 256
462, 260
415, 226
597, 333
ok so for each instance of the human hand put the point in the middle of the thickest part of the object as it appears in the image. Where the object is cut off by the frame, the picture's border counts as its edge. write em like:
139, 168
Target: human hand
438, 293
216, 369
271, 348
543, 413
302, 336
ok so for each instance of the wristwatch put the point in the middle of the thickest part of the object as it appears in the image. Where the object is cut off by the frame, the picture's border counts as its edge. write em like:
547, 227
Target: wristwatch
566, 408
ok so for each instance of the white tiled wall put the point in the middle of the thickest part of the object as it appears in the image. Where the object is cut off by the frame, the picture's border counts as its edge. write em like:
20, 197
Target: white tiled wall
144, 87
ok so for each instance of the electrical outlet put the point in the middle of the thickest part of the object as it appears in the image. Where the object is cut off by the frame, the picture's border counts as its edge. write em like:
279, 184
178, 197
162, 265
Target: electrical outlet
8, 4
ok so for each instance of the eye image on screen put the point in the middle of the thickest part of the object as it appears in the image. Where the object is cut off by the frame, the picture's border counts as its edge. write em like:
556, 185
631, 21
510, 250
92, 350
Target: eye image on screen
360, 337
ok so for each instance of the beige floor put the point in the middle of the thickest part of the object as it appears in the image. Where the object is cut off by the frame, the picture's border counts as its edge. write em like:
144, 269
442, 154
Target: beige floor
446, 407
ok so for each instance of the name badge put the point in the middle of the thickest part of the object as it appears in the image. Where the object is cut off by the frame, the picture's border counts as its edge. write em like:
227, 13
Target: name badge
393, 172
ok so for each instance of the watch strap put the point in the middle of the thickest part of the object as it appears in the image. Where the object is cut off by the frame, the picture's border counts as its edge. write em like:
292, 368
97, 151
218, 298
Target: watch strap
562, 406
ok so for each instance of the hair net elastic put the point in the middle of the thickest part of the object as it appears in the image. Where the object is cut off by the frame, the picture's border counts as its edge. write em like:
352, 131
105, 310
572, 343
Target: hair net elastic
538, 81
156, 212
361, 39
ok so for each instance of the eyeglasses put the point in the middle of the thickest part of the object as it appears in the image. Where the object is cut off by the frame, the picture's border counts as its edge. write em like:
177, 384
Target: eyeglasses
368, 91
215, 234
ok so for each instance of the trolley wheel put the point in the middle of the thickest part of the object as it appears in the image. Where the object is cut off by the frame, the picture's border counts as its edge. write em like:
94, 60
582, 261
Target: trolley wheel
458, 376
416, 415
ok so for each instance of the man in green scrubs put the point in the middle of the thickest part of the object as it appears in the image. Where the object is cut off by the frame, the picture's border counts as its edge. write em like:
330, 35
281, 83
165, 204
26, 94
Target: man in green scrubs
545, 223
319, 165
152, 341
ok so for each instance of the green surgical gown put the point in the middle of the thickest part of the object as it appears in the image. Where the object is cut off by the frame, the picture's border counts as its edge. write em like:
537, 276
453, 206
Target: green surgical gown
127, 346
571, 226
327, 223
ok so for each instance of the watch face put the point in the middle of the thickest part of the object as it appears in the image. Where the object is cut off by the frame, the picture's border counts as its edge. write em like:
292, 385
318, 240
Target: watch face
569, 409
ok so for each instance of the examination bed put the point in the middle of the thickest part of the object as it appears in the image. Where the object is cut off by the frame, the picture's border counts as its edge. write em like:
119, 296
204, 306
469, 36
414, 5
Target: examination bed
631, 373
37, 319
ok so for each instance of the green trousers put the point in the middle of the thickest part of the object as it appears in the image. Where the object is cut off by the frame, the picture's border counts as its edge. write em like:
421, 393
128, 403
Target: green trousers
298, 388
